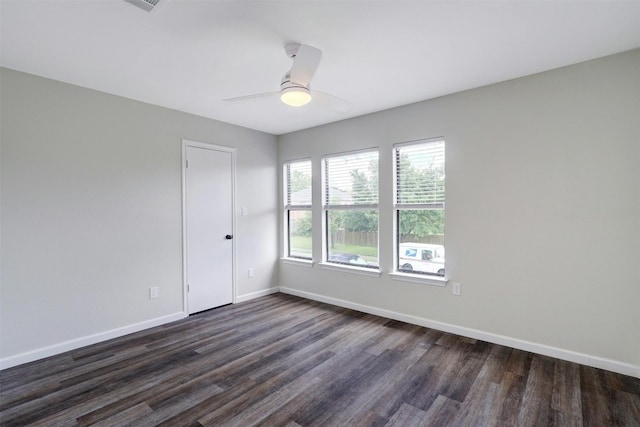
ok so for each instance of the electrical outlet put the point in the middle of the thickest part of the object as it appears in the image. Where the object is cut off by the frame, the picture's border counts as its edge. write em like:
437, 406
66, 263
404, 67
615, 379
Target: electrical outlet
250, 272
154, 292
455, 288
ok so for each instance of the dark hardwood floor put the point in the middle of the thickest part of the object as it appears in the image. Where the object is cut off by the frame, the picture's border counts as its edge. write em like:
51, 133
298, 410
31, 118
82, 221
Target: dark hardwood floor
285, 361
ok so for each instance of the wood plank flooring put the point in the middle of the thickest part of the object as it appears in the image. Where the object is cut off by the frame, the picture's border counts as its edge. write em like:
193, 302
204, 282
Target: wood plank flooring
280, 360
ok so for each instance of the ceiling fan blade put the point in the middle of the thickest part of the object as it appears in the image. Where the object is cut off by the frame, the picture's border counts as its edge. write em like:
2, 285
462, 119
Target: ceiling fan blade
330, 101
305, 63
254, 96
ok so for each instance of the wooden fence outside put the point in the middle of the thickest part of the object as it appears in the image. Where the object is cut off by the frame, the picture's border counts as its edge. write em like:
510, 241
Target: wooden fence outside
363, 238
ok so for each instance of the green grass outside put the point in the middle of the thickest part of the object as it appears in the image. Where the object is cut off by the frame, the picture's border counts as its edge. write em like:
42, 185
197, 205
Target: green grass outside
303, 245
363, 251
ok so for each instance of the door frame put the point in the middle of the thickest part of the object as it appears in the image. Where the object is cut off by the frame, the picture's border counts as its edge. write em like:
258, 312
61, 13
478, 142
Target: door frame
187, 143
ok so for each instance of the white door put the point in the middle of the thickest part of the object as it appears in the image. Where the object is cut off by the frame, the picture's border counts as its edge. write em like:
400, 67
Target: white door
209, 227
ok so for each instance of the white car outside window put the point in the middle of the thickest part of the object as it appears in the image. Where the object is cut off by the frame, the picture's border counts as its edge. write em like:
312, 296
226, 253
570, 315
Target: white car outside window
421, 258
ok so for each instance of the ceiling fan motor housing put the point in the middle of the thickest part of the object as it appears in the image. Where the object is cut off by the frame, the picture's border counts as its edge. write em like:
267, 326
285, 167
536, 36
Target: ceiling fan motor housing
286, 83
293, 94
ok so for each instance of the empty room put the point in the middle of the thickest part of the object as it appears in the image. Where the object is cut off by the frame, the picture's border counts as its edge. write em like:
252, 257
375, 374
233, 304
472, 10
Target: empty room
319, 213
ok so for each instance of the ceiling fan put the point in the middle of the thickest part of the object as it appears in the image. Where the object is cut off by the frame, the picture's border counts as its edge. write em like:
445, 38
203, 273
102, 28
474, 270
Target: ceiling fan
295, 87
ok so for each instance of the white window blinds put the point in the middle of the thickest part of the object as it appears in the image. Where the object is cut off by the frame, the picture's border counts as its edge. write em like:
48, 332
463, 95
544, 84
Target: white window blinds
298, 184
420, 177
351, 179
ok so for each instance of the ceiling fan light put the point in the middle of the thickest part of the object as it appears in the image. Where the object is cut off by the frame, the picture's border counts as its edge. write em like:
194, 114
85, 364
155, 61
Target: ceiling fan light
295, 96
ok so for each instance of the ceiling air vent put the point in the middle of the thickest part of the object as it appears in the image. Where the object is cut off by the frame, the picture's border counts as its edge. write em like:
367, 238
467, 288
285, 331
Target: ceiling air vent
147, 5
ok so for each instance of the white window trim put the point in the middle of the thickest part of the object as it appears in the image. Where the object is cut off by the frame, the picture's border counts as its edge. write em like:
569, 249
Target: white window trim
326, 264
285, 217
426, 279
363, 271
302, 262
420, 278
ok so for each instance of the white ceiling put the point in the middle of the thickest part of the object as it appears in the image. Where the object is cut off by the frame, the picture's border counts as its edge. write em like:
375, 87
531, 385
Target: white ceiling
189, 55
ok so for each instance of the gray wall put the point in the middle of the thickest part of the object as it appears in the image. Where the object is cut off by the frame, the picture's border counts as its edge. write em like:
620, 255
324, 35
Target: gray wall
542, 209
91, 212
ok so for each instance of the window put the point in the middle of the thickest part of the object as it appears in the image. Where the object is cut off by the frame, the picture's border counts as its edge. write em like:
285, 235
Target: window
297, 181
351, 208
419, 206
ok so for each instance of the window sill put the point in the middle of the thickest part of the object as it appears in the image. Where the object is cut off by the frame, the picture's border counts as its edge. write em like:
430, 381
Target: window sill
351, 269
297, 261
420, 278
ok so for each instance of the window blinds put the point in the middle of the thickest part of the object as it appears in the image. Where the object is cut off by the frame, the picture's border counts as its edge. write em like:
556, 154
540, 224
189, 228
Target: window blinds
420, 177
298, 184
351, 179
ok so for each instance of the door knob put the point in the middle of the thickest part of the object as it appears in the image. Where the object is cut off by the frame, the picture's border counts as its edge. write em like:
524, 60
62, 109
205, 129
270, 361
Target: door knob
228, 236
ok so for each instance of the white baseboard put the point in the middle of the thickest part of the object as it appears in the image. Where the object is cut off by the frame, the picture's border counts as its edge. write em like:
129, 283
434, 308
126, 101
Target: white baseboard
559, 353
581, 358
55, 349
256, 294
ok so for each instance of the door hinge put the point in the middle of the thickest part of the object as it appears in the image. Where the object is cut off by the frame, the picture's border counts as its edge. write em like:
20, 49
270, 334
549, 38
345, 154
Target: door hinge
188, 287
186, 164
